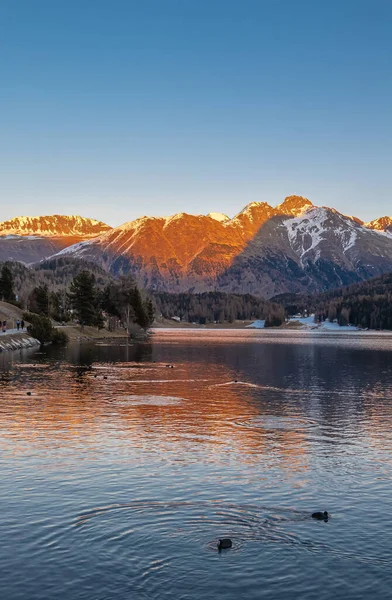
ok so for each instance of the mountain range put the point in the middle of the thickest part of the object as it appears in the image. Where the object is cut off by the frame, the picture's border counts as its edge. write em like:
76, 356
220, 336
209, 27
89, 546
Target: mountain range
263, 250
31, 239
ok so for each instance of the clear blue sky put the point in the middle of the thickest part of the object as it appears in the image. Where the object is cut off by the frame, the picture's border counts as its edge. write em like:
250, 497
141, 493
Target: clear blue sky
118, 108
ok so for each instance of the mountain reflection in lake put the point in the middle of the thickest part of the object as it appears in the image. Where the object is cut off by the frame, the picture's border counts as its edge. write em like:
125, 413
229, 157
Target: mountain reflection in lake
119, 473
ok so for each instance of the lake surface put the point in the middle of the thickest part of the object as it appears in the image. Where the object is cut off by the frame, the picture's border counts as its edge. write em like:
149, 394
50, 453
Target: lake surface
119, 473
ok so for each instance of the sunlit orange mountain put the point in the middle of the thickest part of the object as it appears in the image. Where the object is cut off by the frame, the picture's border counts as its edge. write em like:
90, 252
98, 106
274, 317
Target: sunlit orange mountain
266, 250
54, 226
381, 224
293, 247
29, 239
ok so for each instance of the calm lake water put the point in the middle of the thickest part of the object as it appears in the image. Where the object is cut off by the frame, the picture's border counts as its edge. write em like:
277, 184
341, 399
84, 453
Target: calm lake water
119, 473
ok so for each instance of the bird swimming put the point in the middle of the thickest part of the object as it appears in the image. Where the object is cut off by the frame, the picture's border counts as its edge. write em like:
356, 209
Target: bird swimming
224, 543
321, 516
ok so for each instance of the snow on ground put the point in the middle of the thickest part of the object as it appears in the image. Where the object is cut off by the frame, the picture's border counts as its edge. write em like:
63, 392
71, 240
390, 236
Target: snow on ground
327, 326
305, 321
308, 323
259, 324
11, 332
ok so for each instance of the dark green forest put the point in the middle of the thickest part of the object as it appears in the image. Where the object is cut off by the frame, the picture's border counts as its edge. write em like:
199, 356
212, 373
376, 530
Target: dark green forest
367, 304
47, 289
68, 290
217, 307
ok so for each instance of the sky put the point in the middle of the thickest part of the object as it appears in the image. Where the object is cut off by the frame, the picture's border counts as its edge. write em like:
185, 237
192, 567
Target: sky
114, 109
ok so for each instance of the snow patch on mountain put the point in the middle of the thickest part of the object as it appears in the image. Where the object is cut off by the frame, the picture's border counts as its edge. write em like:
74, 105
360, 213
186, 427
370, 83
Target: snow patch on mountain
350, 241
19, 237
314, 226
355, 219
294, 205
137, 224
176, 217
218, 217
250, 206
75, 249
306, 232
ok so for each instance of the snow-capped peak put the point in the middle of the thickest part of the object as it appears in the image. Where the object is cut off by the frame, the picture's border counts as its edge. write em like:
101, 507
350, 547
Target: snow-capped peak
381, 224
294, 205
136, 223
218, 217
53, 226
320, 224
254, 205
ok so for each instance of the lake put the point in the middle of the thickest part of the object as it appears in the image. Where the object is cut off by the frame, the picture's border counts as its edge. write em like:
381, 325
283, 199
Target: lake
125, 465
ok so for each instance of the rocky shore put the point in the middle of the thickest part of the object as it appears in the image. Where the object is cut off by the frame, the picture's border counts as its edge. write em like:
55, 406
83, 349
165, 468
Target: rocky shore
17, 341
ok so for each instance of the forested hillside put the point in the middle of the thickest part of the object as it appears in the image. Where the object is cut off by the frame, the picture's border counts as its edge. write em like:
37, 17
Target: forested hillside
56, 273
66, 290
367, 304
210, 307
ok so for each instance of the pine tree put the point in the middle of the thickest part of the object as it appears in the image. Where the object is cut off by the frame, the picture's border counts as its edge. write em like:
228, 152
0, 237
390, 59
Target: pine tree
39, 300
344, 317
123, 300
83, 298
149, 310
58, 305
141, 317
7, 285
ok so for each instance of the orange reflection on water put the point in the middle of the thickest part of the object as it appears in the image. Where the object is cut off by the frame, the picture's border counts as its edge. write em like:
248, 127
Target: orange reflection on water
185, 413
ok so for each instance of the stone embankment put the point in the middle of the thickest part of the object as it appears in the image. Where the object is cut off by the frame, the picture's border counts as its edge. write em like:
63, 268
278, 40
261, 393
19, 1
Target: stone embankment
17, 341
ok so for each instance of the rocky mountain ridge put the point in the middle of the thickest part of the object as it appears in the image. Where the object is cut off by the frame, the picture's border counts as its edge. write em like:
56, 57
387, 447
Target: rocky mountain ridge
30, 239
263, 250
382, 224
53, 226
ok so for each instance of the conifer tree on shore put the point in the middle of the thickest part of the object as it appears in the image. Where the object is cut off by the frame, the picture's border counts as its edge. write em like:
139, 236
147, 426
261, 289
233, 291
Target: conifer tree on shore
38, 301
7, 285
123, 299
83, 298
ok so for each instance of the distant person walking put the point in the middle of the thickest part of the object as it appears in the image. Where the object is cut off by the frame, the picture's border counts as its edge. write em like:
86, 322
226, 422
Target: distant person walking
4, 326
22, 324
18, 324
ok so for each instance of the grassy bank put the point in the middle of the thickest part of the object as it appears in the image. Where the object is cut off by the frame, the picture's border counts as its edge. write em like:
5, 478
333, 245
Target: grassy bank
75, 333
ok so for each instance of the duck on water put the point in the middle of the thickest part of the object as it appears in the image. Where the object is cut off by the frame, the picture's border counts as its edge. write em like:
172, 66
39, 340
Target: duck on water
321, 516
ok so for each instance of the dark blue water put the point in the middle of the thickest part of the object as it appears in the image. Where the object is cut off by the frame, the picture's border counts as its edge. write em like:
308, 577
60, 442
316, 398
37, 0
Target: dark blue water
119, 473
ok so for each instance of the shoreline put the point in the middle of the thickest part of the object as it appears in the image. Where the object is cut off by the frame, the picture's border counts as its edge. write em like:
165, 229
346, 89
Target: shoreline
89, 334
17, 341
279, 330
92, 334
